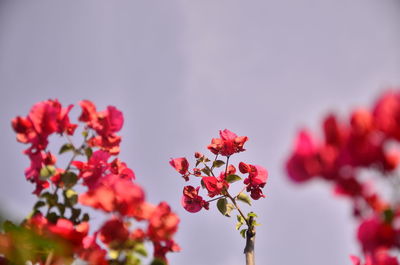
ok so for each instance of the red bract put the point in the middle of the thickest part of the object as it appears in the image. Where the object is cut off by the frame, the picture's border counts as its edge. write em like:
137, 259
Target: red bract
228, 144
181, 165
191, 200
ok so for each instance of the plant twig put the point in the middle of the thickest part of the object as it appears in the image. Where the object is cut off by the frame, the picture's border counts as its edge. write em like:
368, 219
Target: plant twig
250, 242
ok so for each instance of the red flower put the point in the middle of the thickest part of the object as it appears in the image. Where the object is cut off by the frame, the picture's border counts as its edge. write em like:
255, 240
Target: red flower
373, 233
105, 123
228, 144
119, 168
215, 186
191, 200
303, 163
161, 249
163, 223
94, 169
66, 230
113, 193
256, 180
44, 119
114, 231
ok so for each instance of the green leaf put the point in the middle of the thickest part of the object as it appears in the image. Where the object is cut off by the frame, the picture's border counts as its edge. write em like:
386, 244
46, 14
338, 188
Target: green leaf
252, 214
240, 222
206, 171
39, 204
232, 178
61, 208
244, 198
157, 262
46, 172
75, 213
218, 163
88, 152
69, 179
52, 217
51, 199
202, 184
85, 217
71, 197
388, 215
243, 232
229, 208
140, 249
66, 148
221, 205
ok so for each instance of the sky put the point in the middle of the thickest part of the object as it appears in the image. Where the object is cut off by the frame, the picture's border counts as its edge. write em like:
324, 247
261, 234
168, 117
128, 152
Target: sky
182, 70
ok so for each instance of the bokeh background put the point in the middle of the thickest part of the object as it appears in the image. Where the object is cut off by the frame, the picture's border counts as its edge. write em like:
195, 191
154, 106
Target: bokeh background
180, 70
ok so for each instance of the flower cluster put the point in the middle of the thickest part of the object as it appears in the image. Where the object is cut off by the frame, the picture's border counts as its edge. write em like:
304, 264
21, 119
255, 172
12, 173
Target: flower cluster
365, 144
217, 185
109, 187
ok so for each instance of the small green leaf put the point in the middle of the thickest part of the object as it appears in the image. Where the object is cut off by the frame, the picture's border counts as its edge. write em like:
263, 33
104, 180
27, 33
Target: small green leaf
252, 214
85, 217
218, 163
88, 152
244, 198
140, 249
388, 215
202, 184
240, 222
66, 148
46, 172
243, 232
221, 205
232, 178
113, 253
229, 208
85, 134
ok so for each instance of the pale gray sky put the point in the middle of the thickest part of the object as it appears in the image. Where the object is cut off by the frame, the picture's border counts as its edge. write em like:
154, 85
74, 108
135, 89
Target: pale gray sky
180, 70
